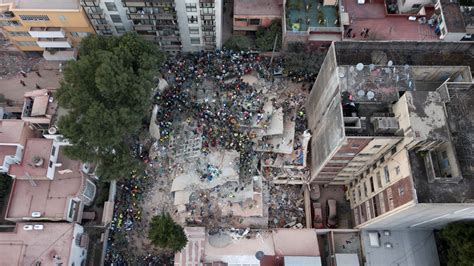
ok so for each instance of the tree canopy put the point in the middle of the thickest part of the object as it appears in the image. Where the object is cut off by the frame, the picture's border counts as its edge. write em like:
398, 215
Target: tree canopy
165, 233
459, 238
107, 94
238, 43
266, 36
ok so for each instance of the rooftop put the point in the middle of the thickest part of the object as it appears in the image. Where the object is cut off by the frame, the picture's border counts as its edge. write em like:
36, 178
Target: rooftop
427, 115
401, 53
14, 131
375, 83
48, 197
27, 247
47, 4
404, 245
452, 16
35, 160
373, 15
301, 16
460, 119
262, 7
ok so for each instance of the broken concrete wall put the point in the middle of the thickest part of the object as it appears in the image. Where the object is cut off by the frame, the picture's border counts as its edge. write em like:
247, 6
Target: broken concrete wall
154, 128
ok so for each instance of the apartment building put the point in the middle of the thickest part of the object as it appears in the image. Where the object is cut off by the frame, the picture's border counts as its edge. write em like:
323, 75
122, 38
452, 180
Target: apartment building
175, 26
396, 135
52, 27
109, 17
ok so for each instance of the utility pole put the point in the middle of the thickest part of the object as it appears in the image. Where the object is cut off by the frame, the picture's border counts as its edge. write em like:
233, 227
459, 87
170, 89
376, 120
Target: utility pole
274, 48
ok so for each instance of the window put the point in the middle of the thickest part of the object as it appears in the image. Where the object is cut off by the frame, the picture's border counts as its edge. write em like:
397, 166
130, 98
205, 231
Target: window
379, 179
192, 19
50, 164
365, 189
191, 8
207, 10
394, 150
120, 29
254, 22
382, 159
195, 40
111, 6
376, 146
397, 170
193, 30
62, 18
360, 193
386, 174
241, 20
10, 23
79, 34
372, 187
401, 191
116, 18
27, 44
53, 150
19, 33
34, 17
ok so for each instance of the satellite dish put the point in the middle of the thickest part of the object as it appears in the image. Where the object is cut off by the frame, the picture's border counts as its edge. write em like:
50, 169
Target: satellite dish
370, 95
407, 66
390, 63
371, 67
351, 69
259, 255
341, 75
361, 93
360, 66
52, 130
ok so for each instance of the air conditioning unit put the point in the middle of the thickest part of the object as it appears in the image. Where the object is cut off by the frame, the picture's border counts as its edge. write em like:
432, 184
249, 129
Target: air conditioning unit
385, 124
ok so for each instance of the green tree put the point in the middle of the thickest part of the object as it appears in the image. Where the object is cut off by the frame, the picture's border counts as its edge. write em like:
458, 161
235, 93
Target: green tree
459, 238
266, 36
107, 93
165, 233
238, 43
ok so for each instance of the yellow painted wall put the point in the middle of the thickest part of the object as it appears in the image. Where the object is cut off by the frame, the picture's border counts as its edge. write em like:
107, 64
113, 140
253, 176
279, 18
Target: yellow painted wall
74, 21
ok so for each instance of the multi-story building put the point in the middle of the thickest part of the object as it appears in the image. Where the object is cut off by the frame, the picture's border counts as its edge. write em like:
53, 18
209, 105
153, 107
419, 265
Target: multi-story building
109, 17
396, 135
250, 15
187, 26
53, 27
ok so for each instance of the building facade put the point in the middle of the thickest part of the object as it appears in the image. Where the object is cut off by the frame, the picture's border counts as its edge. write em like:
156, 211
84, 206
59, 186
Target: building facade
52, 27
250, 15
398, 137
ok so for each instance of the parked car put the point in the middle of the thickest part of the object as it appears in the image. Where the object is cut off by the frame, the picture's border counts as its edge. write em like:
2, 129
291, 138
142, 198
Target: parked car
331, 213
318, 221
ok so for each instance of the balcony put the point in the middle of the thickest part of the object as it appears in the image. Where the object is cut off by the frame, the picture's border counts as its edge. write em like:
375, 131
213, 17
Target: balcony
54, 43
95, 11
144, 27
90, 3
151, 16
170, 38
47, 32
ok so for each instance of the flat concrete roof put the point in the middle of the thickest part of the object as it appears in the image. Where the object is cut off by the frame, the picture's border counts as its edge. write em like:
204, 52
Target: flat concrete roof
47, 4
48, 197
26, 247
261, 8
14, 131
35, 148
453, 17
410, 248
